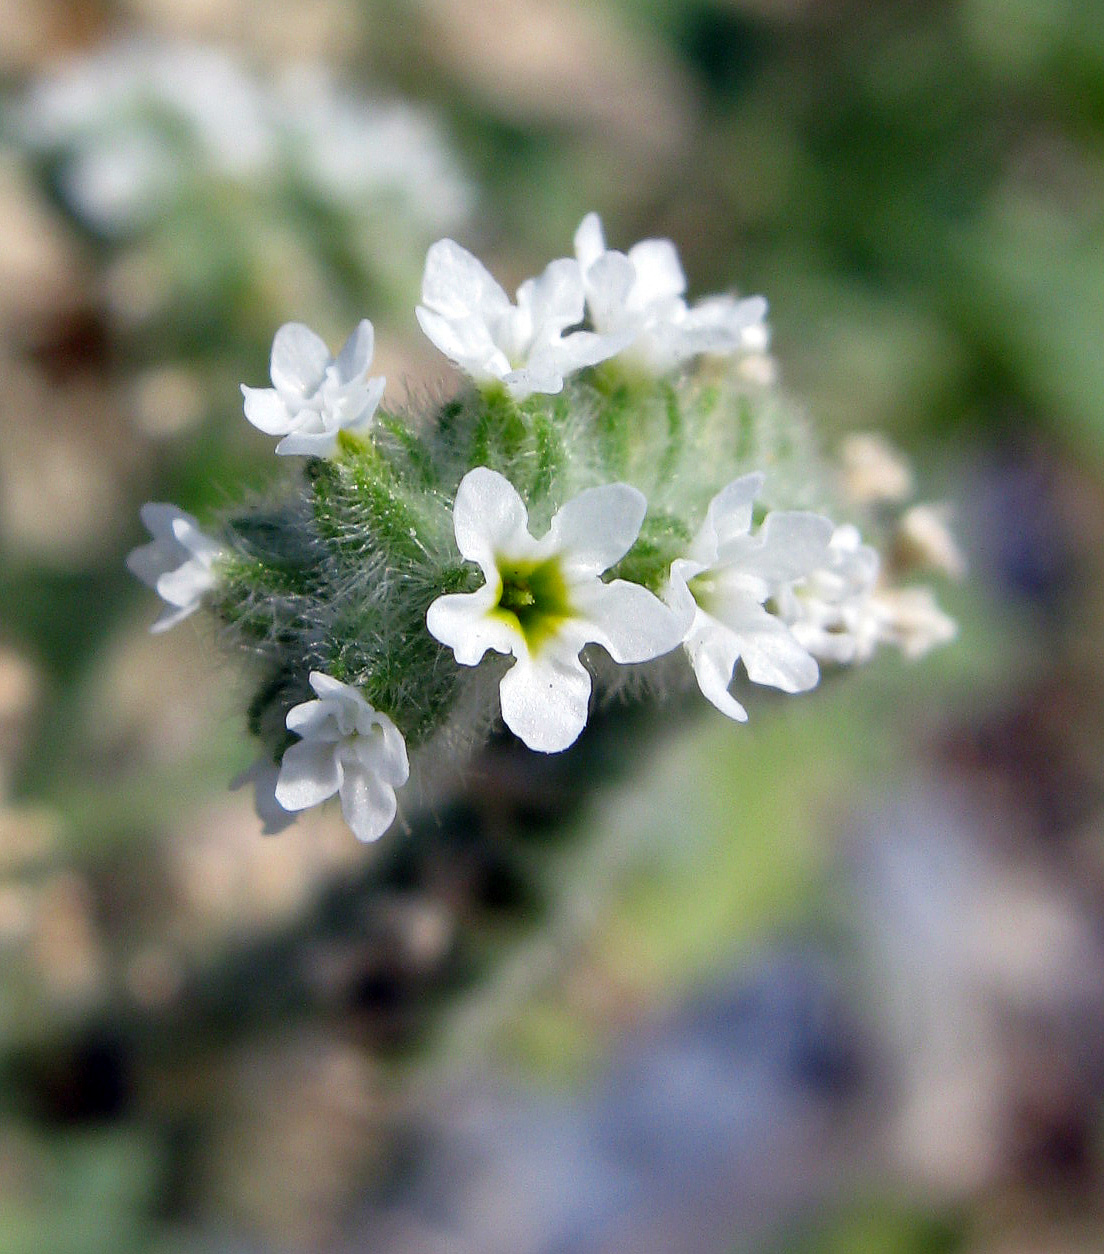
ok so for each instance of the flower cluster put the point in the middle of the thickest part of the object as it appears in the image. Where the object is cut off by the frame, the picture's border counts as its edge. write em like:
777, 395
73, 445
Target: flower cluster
137, 123
590, 505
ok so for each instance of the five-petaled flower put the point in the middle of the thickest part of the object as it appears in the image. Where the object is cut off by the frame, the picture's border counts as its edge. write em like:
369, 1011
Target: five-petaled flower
346, 747
543, 600
639, 296
718, 592
469, 317
315, 396
178, 563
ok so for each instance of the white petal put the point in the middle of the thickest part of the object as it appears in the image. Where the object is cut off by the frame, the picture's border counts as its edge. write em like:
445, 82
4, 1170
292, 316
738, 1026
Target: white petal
150, 561
309, 773
186, 532
490, 518
544, 378
314, 720
299, 360
729, 515
713, 654
590, 242
308, 444
466, 341
583, 348
554, 300
186, 585
659, 273
629, 622
609, 282
266, 411
463, 621
545, 700
158, 518
793, 544
677, 594
356, 353
457, 284
367, 803
773, 656
326, 686
382, 749
597, 528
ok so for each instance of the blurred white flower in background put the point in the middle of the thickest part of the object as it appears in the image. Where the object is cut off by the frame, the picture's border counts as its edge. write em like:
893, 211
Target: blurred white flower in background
137, 122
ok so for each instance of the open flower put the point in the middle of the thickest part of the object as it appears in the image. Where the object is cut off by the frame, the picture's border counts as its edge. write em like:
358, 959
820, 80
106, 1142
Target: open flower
639, 296
179, 563
543, 601
315, 396
471, 320
718, 592
346, 747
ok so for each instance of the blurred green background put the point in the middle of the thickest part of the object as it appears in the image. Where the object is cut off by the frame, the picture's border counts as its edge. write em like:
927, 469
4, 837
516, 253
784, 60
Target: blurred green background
214, 1040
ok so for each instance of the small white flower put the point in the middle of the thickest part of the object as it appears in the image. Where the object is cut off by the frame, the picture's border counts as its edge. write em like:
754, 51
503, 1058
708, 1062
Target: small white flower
639, 296
349, 748
718, 592
315, 396
842, 612
179, 563
471, 320
543, 601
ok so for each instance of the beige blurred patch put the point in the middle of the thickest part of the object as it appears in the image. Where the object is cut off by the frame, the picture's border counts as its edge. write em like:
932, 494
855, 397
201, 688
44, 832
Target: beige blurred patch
228, 879
872, 470
550, 60
28, 837
66, 452
65, 946
35, 31
275, 29
299, 1132
19, 688
155, 699
168, 401
42, 271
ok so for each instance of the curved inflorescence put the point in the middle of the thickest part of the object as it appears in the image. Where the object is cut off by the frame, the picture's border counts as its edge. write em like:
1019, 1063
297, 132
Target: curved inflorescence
620, 490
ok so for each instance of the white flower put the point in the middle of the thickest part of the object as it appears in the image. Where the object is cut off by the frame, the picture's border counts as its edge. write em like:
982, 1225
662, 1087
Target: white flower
315, 396
639, 296
179, 563
346, 747
718, 592
543, 601
842, 612
136, 120
356, 152
830, 612
471, 320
